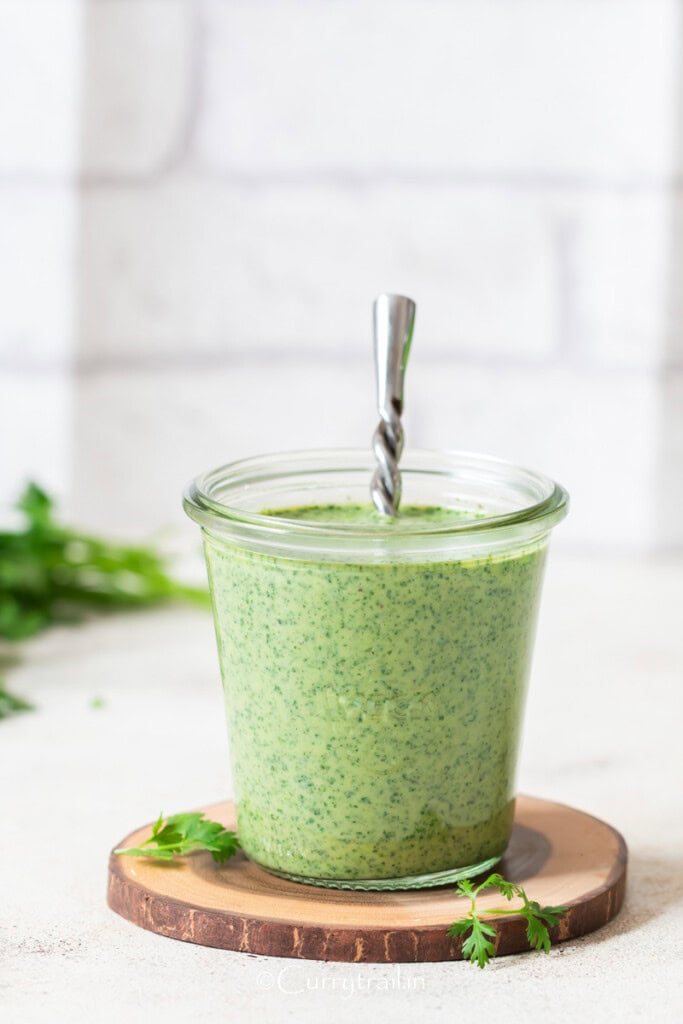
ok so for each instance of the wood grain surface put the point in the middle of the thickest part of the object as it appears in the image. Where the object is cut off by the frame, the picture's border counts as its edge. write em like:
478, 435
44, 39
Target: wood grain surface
560, 855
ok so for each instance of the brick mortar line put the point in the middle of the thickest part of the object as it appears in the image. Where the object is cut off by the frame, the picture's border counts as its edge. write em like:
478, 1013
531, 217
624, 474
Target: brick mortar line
187, 173
201, 362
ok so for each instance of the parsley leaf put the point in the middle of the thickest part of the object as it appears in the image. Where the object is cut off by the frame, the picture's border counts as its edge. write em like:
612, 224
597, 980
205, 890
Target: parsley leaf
465, 887
478, 948
477, 945
52, 574
537, 933
506, 889
181, 834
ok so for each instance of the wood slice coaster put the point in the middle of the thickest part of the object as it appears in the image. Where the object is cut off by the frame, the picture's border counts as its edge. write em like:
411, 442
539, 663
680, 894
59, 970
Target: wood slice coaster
560, 856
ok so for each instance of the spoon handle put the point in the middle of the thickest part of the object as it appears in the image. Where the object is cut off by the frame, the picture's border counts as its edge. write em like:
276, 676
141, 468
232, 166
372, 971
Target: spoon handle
394, 318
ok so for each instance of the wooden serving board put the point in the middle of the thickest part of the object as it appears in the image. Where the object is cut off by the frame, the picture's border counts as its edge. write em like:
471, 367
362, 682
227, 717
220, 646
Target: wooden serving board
560, 856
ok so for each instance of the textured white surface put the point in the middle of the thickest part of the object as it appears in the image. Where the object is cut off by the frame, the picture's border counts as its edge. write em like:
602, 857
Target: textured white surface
35, 416
474, 86
40, 82
617, 247
139, 437
229, 269
603, 733
38, 257
523, 275
138, 70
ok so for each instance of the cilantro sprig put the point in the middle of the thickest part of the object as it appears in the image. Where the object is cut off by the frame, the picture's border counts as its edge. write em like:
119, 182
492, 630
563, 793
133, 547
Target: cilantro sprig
182, 834
52, 574
479, 938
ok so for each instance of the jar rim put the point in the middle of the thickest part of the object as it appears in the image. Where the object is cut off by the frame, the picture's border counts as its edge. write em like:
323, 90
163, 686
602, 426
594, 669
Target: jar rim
204, 502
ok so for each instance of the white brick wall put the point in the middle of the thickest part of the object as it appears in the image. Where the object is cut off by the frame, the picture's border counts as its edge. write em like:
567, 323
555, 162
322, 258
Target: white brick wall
623, 262
38, 270
140, 437
139, 86
36, 411
223, 269
40, 84
41, 48
547, 87
593, 431
199, 200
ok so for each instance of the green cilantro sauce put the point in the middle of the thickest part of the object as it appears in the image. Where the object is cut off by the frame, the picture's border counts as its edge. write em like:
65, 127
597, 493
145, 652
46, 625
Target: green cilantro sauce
374, 710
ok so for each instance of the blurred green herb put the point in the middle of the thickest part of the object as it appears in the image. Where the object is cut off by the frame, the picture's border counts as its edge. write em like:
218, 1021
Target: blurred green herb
51, 574
478, 946
181, 834
11, 705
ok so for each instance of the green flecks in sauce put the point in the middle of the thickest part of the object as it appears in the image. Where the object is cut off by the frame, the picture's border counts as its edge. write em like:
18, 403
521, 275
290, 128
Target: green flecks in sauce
374, 709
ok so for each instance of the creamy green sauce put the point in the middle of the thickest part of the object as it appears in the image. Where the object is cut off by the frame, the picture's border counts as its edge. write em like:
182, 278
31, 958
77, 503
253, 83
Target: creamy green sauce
374, 710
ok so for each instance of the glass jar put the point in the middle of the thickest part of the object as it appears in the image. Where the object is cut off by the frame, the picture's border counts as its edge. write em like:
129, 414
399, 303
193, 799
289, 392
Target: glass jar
374, 669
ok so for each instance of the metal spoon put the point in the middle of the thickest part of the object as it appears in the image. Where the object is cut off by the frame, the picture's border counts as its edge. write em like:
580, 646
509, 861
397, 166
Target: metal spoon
394, 318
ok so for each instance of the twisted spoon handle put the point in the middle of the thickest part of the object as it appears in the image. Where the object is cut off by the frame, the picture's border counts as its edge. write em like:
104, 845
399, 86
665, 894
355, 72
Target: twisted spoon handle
394, 318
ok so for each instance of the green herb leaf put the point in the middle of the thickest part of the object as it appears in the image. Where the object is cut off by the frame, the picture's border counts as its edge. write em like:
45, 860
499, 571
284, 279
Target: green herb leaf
139, 851
465, 888
478, 946
460, 927
10, 704
551, 915
181, 834
37, 506
537, 933
496, 881
52, 574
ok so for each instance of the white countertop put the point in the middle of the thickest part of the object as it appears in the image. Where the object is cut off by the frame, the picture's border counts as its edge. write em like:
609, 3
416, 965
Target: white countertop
603, 732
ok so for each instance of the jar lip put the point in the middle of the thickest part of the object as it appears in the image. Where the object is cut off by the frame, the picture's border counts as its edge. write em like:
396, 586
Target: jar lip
201, 504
